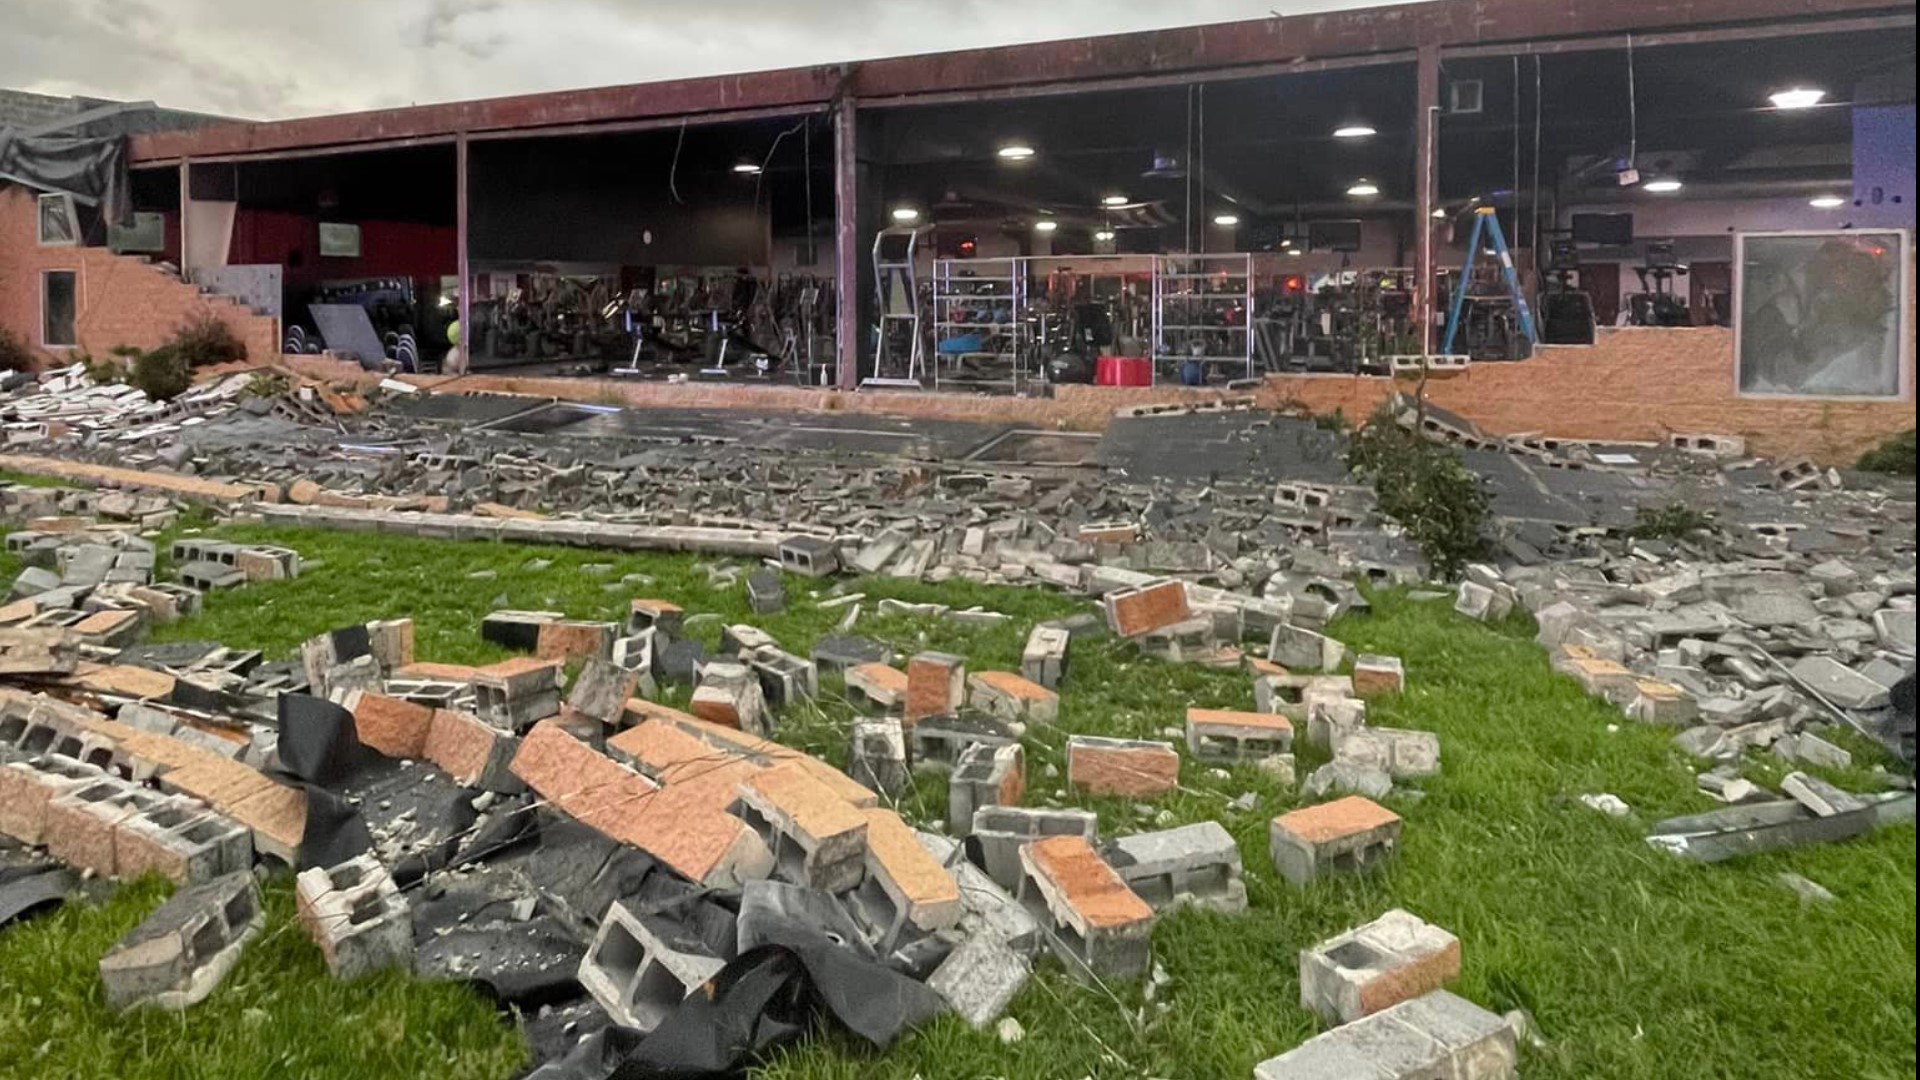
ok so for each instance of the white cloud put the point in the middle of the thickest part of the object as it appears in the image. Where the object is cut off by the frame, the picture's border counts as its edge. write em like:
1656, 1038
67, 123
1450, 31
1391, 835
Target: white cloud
272, 58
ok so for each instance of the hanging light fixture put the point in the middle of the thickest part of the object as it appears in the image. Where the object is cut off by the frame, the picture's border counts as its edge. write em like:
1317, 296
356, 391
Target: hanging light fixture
1114, 200
1354, 131
1016, 152
1827, 202
1797, 97
1363, 189
747, 168
1104, 236
905, 215
1045, 225
1226, 221
1666, 185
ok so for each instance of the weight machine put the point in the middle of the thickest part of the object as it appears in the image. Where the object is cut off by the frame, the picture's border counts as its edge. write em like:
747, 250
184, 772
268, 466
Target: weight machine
896, 286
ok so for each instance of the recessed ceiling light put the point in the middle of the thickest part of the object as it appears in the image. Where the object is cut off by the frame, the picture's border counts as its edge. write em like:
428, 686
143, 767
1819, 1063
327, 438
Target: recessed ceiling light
1104, 235
1797, 97
1354, 131
1826, 202
1114, 200
1045, 225
1226, 221
1362, 189
747, 168
1016, 152
1663, 186
904, 214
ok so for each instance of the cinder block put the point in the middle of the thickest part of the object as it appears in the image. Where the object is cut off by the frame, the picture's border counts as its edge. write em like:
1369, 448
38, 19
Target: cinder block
391, 641
1349, 834
1197, 865
809, 556
1044, 660
877, 758
517, 630
1132, 768
729, 695
986, 909
1436, 1037
876, 687
1306, 650
80, 823
601, 690
1098, 927
515, 694
661, 616
267, 563
1001, 831
182, 840
392, 726
1395, 958
357, 917
817, 838
641, 969
980, 979
1279, 693
1376, 676
1400, 754
574, 639
472, 752
1225, 737
1132, 612
985, 776
179, 954
905, 887
937, 742
1013, 698
27, 787
766, 593
936, 686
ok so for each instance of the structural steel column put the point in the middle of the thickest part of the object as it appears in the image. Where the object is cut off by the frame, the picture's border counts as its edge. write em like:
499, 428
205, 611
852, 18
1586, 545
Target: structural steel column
846, 246
460, 243
1426, 120
186, 194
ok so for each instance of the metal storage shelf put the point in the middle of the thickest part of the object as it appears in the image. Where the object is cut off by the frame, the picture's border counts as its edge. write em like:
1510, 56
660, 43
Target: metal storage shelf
1175, 307
961, 285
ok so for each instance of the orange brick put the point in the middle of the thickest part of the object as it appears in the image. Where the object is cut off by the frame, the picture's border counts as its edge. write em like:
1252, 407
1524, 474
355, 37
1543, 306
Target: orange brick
389, 725
1132, 612
1099, 899
1129, 768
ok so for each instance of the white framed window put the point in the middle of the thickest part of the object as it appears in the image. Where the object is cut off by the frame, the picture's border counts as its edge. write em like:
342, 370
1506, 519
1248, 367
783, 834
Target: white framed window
59, 308
59, 221
1821, 314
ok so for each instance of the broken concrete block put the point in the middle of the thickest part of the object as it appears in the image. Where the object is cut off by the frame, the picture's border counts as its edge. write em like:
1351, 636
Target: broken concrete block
1227, 737
730, 695
517, 630
267, 563
1133, 768
1300, 648
179, 954
876, 686
785, 679
357, 916
1817, 795
980, 979
985, 776
514, 694
1400, 754
905, 886
182, 840
634, 652
1395, 958
809, 556
1272, 693
659, 615
601, 690
471, 751
1476, 601
1013, 698
1811, 749
1197, 865
1099, 928
390, 726
987, 909
391, 641
766, 593
838, 652
877, 758
1044, 660
1840, 684
1338, 778
1138, 610
1001, 831
641, 969
1349, 834
936, 742
1656, 701
575, 639
1436, 1037
1375, 676
817, 838
936, 686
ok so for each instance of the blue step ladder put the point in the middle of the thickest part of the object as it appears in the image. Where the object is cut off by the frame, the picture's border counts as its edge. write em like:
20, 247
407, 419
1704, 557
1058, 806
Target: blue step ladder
1486, 221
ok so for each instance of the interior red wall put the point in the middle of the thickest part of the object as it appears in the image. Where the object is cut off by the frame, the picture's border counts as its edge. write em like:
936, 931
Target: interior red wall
387, 248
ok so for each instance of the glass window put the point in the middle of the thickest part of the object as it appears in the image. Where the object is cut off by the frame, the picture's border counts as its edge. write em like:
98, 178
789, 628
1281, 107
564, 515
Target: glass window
59, 294
1821, 314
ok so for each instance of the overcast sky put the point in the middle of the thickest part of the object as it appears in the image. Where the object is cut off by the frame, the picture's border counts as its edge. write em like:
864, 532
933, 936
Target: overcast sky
268, 59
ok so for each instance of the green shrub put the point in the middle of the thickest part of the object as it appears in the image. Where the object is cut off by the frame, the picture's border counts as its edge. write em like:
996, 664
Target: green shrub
162, 374
14, 354
1427, 488
203, 341
269, 384
1892, 456
1675, 521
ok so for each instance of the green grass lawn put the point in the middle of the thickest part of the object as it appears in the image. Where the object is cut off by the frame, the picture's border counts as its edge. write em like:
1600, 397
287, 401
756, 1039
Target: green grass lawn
1637, 966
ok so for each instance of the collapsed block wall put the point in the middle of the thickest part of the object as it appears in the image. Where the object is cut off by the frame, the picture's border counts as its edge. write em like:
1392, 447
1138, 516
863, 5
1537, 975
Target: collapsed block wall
121, 299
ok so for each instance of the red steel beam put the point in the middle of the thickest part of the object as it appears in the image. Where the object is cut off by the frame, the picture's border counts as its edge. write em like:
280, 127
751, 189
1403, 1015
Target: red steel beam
1281, 39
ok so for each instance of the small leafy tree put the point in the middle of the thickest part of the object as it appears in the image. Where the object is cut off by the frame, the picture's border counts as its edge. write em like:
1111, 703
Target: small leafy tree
1895, 455
14, 354
162, 374
203, 341
1426, 487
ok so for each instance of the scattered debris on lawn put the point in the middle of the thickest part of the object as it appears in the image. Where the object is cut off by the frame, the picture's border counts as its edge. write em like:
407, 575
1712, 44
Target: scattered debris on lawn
547, 826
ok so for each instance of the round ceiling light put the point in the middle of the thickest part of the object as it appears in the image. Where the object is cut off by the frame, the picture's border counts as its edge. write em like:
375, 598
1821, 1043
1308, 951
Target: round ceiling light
1797, 97
1114, 200
1663, 186
905, 214
1226, 221
1016, 152
1827, 202
1045, 225
1354, 131
747, 168
1363, 189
